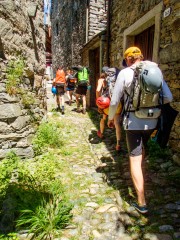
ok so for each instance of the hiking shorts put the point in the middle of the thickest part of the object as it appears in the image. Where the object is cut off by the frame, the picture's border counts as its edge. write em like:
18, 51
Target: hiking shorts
60, 91
81, 90
137, 140
69, 88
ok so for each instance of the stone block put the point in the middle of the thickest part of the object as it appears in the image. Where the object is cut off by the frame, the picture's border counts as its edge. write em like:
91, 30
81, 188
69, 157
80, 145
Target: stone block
20, 122
9, 110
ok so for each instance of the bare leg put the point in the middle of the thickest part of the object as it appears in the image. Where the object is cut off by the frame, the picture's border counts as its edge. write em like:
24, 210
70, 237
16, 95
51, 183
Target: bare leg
84, 101
58, 102
137, 177
62, 103
77, 102
102, 123
68, 94
118, 128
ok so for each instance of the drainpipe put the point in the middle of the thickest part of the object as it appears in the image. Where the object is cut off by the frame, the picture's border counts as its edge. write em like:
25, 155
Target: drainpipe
108, 33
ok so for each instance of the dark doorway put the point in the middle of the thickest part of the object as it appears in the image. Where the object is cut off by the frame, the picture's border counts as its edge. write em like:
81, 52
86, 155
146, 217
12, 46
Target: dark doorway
144, 41
94, 74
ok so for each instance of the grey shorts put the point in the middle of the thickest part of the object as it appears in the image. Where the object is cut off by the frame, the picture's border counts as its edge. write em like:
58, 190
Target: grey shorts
60, 91
136, 140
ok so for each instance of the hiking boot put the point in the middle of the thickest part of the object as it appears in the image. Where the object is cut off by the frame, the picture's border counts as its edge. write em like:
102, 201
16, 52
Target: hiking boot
62, 112
100, 135
78, 110
84, 111
141, 209
118, 148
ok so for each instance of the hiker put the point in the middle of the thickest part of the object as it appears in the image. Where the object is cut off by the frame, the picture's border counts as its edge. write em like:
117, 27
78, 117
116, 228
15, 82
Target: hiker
70, 84
59, 82
103, 89
82, 82
138, 130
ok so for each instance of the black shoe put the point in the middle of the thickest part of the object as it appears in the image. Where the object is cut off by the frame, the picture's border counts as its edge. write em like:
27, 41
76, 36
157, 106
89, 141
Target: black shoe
141, 209
62, 112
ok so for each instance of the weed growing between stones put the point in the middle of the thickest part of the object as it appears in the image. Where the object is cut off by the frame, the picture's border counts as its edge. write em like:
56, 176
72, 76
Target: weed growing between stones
33, 199
48, 135
15, 71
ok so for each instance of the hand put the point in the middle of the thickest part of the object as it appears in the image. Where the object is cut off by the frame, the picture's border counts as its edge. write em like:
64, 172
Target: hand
111, 123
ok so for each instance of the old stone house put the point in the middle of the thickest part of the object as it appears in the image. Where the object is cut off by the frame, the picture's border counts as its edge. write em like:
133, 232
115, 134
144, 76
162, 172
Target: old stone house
22, 36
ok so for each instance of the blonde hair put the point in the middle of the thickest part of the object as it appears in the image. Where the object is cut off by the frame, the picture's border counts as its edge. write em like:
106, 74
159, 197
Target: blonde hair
134, 58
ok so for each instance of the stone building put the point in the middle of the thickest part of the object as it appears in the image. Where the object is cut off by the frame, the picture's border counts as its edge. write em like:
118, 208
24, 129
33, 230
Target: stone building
77, 31
68, 22
22, 36
154, 27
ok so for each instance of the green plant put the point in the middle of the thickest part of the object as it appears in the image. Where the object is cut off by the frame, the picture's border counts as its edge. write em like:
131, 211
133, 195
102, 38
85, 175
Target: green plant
50, 217
27, 99
10, 236
7, 166
15, 70
48, 134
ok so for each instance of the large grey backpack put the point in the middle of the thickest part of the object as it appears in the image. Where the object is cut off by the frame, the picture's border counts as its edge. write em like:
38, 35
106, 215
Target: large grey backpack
145, 90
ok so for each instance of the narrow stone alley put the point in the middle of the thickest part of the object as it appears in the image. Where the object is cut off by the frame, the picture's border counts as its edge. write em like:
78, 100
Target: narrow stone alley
103, 209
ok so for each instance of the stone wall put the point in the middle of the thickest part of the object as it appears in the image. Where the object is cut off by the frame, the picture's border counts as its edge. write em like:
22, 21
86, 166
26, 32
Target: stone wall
73, 25
169, 46
68, 32
21, 36
97, 17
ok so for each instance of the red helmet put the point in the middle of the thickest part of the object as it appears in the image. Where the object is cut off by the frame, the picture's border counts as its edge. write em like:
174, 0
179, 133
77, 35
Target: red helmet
103, 102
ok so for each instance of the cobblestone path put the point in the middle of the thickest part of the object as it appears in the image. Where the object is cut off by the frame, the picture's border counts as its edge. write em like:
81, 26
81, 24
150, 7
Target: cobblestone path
107, 213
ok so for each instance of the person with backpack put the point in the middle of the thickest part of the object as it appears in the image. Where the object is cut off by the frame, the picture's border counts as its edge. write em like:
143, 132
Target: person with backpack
104, 89
59, 82
144, 91
70, 85
82, 82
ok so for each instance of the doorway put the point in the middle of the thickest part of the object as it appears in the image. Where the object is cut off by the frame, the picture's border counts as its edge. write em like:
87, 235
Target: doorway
145, 41
94, 73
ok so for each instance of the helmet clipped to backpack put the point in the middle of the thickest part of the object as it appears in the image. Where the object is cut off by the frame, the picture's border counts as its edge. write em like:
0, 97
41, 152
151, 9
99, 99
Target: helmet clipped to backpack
53, 90
103, 102
152, 78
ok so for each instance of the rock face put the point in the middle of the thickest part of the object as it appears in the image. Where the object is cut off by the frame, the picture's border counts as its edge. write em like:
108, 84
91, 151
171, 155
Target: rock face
21, 36
74, 23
